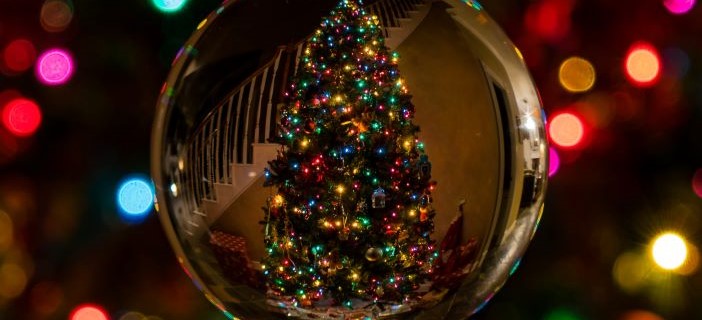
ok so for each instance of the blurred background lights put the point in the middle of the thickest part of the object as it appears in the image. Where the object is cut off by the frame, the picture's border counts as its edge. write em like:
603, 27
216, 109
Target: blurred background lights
19, 55
54, 67
55, 15
562, 314
169, 5
6, 232
697, 182
576, 74
640, 315
554, 162
46, 297
135, 197
21, 117
630, 272
679, 6
13, 280
677, 62
132, 315
643, 64
669, 251
88, 312
566, 130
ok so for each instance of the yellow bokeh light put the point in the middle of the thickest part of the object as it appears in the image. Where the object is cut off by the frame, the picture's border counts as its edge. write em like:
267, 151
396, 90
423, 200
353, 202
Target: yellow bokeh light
576, 74
13, 280
669, 251
6, 234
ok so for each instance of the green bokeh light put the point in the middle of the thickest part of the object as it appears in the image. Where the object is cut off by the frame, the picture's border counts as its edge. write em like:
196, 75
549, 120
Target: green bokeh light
169, 6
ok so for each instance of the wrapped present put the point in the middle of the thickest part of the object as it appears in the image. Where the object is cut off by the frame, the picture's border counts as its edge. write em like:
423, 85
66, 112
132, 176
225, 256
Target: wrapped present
233, 258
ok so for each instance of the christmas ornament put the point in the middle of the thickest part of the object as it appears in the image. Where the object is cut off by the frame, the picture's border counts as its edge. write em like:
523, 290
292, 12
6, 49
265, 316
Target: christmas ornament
305, 187
373, 254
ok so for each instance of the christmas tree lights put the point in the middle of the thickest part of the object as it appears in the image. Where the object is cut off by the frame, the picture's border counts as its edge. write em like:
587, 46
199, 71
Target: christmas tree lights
351, 217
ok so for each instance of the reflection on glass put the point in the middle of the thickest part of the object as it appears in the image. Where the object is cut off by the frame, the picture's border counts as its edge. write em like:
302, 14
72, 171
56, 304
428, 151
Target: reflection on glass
316, 124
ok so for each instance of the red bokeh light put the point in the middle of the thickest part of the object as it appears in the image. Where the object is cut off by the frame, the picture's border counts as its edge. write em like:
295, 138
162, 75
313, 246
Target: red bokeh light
19, 55
697, 183
643, 64
88, 312
549, 19
21, 117
566, 130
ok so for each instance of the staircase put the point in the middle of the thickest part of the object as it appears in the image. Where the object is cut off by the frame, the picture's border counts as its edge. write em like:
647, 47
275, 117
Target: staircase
229, 151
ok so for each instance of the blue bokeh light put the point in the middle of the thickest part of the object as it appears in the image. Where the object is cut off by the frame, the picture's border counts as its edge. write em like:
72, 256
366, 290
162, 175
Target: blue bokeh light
135, 198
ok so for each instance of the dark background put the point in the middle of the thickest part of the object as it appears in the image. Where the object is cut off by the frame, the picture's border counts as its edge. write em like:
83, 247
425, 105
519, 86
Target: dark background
609, 198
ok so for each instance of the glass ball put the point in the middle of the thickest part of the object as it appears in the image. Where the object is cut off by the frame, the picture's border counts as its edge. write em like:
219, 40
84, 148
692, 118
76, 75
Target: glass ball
344, 160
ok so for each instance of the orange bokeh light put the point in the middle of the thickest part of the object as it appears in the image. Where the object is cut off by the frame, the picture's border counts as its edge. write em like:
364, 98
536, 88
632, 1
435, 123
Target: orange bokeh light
88, 312
643, 64
566, 130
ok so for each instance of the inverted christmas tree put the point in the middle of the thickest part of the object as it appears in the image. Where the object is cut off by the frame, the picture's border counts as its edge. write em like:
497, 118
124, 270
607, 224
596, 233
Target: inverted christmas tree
351, 219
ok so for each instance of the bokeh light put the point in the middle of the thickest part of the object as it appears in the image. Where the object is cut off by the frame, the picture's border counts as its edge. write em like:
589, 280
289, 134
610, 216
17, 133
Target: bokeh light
643, 64
679, 6
21, 117
576, 74
640, 315
54, 67
6, 232
669, 251
55, 15
19, 55
562, 314
630, 272
566, 130
549, 19
697, 182
13, 280
46, 297
133, 315
554, 162
677, 61
88, 312
169, 5
135, 198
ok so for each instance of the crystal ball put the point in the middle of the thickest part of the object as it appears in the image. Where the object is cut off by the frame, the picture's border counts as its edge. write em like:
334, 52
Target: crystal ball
349, 159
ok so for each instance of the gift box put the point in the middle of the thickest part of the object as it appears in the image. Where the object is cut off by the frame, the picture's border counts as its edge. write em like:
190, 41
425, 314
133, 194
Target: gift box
233, 258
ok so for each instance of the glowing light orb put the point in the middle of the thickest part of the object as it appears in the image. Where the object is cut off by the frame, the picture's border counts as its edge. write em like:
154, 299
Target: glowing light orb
566, 130
669, 251
679, 6
169, 5
13, 280
135, 198
643, 64
55, 15
576, 74
640, 315
88, 312
21, 117
54, 67
554, 162
697, 183
19, 55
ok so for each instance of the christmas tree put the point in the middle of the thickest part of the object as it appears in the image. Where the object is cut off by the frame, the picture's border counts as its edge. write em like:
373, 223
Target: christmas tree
351, 218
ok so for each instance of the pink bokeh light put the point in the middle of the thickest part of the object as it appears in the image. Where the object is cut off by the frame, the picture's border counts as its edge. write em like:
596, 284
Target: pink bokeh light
554, 162
54, 67
679, 6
